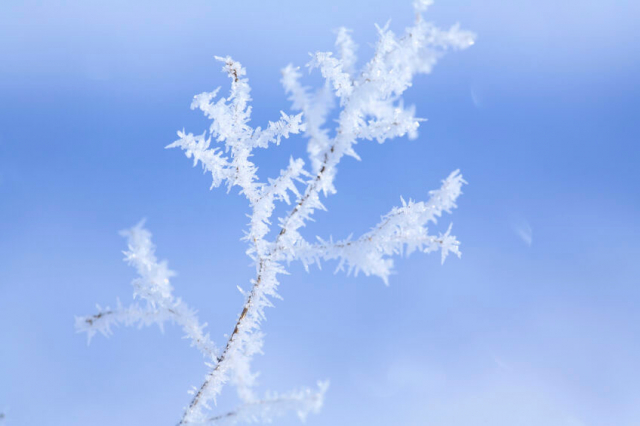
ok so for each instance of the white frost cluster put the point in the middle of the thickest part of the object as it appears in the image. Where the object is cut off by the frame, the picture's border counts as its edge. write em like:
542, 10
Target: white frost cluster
370, 108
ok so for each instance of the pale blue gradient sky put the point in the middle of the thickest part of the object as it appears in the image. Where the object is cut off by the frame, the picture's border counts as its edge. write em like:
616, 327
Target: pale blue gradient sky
540, 116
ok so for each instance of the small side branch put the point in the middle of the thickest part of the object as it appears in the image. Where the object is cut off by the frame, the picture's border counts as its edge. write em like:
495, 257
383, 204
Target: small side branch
302, 402
230, 124
129, 316
154, 287
403, 230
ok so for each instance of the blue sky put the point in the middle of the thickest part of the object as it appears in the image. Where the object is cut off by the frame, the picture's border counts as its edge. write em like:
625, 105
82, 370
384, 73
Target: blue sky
536, 324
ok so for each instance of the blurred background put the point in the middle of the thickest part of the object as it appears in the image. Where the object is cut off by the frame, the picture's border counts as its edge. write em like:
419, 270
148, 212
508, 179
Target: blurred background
536, 324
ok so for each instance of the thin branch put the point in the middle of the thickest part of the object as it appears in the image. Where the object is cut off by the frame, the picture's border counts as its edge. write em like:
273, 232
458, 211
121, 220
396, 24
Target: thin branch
303, 402
152, 285
103, 320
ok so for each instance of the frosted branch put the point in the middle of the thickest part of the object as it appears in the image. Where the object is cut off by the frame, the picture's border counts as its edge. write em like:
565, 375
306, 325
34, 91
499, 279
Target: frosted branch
244, 342
212, 159
346, 50
371, 109
230, 124
315, 109
277, 189
395, 123
402, 230
302, 402
106, 318
289, 238
154, 287
332, 70
278, 130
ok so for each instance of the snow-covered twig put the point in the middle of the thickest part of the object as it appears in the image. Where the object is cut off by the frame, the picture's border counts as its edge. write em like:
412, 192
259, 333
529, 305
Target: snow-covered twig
154, 287
402, 230
303, 402
371, 108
